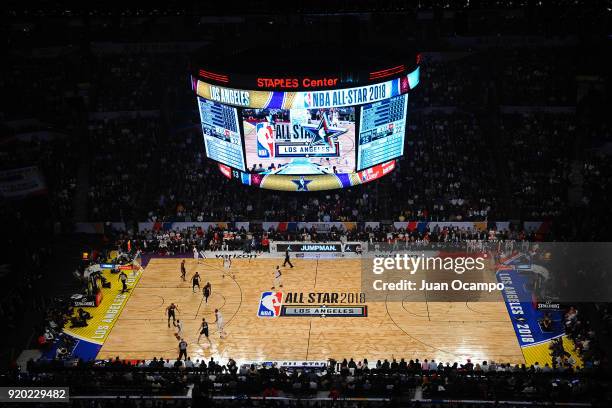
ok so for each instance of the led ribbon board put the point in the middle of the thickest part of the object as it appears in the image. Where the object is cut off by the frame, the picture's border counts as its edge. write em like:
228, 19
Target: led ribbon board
308, 100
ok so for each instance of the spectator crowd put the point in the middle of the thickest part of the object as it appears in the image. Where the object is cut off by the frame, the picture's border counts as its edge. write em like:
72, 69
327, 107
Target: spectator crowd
389, 379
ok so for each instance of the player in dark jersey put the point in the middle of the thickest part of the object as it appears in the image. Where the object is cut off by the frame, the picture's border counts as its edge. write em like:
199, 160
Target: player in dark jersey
183, 270
195, 281
204, 330
172, 313
207, 291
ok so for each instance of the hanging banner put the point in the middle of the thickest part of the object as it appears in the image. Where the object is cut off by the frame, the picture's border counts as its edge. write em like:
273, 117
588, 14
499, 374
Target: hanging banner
21, 183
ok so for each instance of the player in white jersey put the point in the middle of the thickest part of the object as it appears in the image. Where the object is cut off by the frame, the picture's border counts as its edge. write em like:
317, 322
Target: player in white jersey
277, 278
220, 323
227, 261
196, 254
179, 329
227, 265
335, 118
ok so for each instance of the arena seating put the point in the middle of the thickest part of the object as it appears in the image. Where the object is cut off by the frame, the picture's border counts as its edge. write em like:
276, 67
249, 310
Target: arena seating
440, 162
121, 154
390, 379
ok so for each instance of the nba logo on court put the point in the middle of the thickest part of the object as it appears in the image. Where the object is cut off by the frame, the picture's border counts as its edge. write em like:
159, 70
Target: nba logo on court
265, 140
270, 304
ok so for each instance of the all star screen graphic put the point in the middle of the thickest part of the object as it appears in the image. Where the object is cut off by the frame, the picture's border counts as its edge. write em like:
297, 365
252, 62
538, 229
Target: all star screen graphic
299, 141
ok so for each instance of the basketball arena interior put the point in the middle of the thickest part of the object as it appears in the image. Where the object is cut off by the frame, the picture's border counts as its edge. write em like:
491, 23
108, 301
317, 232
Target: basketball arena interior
306, 204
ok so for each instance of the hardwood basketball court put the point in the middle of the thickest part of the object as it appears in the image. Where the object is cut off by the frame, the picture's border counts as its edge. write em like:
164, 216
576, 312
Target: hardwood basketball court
445, 331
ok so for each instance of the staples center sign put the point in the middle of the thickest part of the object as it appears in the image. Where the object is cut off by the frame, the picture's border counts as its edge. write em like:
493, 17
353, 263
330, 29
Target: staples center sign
292, 83
329, 98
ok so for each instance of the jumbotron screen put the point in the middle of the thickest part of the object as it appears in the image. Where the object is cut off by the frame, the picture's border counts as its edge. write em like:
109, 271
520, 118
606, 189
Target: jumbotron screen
221, 133
306, 140
382, 129
300, 141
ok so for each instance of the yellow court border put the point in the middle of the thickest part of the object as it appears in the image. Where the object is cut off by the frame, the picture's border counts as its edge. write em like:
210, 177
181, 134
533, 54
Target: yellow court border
106, 314
540, 353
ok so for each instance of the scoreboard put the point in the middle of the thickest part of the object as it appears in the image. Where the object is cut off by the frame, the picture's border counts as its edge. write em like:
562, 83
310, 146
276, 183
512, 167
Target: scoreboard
298, 139
221, 133
381, 131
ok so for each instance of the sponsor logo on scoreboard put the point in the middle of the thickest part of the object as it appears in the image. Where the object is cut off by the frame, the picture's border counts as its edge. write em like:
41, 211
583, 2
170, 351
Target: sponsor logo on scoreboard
270, 304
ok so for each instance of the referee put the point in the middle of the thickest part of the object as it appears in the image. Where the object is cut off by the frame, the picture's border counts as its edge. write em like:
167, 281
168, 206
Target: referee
182, 349
287, 260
